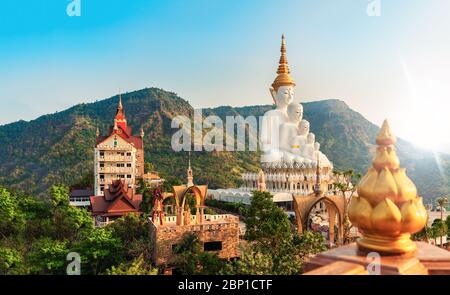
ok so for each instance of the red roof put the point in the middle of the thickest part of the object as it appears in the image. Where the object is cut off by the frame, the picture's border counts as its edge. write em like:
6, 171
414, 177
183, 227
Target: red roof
123, 130
136, 141
118, 199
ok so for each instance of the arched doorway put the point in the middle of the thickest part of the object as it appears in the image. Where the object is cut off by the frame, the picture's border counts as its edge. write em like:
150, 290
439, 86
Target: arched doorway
189, 201
323, 217
322, 214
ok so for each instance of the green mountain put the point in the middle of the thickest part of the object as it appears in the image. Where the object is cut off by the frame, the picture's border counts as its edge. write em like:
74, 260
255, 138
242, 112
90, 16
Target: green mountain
58, 148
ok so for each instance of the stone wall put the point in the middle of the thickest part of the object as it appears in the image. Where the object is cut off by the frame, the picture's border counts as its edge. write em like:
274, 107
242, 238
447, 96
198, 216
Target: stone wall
164, 237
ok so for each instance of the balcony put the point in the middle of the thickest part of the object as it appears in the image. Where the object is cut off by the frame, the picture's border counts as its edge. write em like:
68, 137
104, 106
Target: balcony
80, 202
125, 170
115, 158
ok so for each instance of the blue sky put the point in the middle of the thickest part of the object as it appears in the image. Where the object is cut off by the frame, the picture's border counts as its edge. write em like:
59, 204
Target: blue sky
211, 53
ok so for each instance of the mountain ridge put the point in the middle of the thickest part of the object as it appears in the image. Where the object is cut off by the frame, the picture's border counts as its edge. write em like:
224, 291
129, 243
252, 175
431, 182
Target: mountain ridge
58, 147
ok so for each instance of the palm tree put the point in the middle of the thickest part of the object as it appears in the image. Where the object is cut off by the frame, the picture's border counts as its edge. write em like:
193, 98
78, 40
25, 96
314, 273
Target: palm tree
442, 202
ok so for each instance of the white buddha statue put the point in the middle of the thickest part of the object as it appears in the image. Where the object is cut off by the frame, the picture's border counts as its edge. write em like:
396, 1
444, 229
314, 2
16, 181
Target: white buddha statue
282, 92
308, 149
289, 129
298, 142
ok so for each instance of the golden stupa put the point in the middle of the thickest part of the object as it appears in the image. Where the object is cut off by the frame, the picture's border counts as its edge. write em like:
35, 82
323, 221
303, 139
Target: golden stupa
283, 74
387, 209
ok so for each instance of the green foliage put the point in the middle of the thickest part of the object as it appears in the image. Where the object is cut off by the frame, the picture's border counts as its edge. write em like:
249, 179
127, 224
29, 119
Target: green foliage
447, 221
135, 267
190, 259
48, 256
133, 233
99, 250
266, 223
10, 261
38, 233
273, 246
59, 196
232, 207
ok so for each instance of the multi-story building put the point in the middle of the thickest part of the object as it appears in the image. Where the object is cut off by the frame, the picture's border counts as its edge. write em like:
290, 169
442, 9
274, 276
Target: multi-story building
118, 155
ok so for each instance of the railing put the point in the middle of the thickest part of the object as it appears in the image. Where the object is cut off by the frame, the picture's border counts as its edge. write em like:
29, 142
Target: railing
116, 158
79, 202
116, 169
172, 219
105, 147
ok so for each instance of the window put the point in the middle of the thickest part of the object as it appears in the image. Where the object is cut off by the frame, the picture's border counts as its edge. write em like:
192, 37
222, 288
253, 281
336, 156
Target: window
102, 154
129, 165
102, 164
128, 176
102, 176
120, 165
129, 154
212, 246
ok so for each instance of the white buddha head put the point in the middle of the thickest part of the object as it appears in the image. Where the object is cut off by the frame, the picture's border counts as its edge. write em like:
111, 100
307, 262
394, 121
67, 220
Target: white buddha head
295, 112
311, 138
303, 128
283, 96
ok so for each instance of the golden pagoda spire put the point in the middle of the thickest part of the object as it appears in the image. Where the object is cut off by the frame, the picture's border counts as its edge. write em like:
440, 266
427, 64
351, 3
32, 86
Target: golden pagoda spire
283, 78
387, 209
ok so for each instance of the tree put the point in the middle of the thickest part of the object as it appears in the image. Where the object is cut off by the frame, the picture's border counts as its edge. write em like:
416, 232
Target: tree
136, 267
134, 235
345, 185
439, 229
442, 203
11, 219
273, 247
48, 256
59, 195
190, 258
99, 250
10, 261
266, 223
447, 221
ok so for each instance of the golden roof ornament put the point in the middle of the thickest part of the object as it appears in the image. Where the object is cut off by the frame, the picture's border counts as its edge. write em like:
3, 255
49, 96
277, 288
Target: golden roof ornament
283, 78
387, 209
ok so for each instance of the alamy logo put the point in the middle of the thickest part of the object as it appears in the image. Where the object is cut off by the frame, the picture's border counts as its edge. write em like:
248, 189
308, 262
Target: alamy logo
374, 266
74, 266
74, 8
374, 8
207, 134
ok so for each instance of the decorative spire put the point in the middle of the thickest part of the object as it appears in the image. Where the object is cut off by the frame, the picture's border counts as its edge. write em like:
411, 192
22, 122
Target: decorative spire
261, 181
190, 176
142, 132
283, 78
120, 107
387, 209
317, 189
120, 119
97, 132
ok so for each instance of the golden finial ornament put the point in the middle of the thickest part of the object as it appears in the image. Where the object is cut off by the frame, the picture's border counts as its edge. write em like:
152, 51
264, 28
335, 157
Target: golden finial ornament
387, 209
283, 78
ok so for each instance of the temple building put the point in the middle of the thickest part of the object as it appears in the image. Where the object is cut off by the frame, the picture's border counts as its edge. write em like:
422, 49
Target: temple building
152, 179
117, 199
291, 162
118, 155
